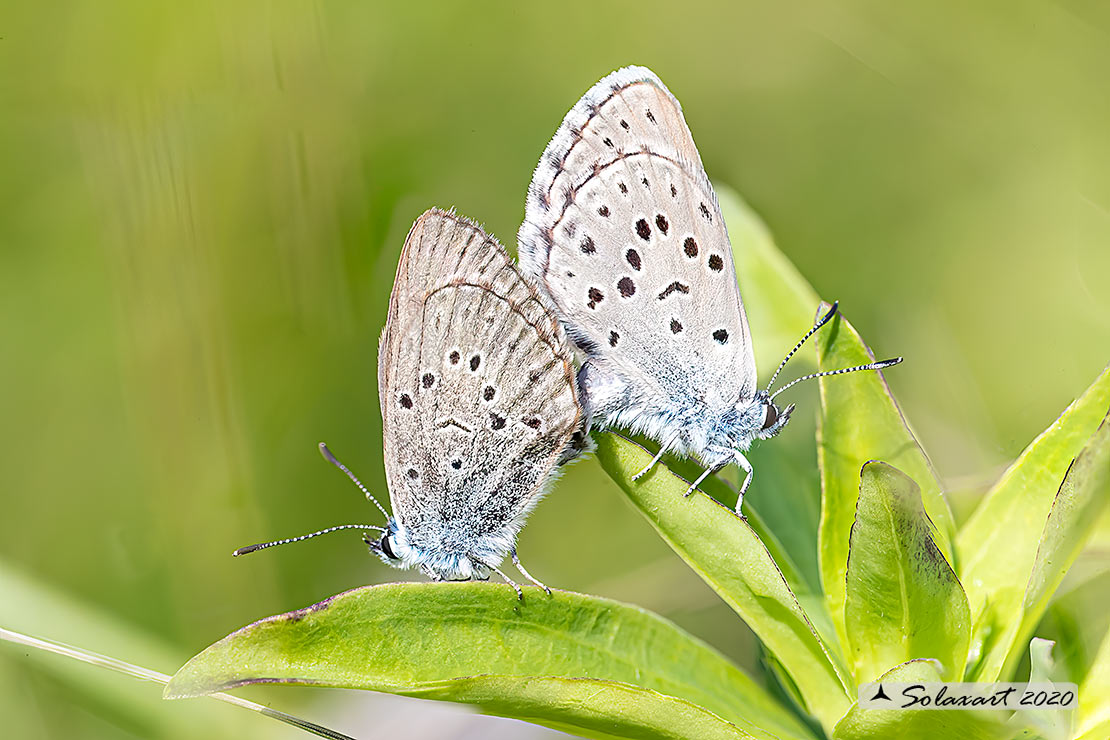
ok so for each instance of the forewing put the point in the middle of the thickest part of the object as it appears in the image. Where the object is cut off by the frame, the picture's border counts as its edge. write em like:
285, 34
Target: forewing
623, 232
476, 382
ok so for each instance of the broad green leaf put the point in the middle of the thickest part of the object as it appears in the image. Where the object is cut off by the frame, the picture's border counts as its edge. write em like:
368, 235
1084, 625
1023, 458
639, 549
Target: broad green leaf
903, 600
998, 545
1094, 697
727, 553
476, 643
861, 421
591, 707
921, 724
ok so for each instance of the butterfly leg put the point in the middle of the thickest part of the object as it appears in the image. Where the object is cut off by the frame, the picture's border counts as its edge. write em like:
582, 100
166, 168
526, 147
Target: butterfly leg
747, 466
658, 456
705, 474
498, 571
526, 574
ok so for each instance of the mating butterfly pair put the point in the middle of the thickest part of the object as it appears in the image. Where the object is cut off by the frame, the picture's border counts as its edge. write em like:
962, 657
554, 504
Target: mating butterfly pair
624, 248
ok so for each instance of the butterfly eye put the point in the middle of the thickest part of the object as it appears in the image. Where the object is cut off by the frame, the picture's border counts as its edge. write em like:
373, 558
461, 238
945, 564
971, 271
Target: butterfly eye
772, 416
384, 544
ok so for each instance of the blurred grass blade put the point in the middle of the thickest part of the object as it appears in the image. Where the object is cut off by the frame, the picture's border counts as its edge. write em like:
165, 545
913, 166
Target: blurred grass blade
145, 674
29, 606
476, 643
1094, 697
908, 724
861, 421
998, 546
903, 600
729, 556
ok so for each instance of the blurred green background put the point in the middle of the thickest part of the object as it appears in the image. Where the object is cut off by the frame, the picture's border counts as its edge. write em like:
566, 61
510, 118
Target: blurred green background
201, 209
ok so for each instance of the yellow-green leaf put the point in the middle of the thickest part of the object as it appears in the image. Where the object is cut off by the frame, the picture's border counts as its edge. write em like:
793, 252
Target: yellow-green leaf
724, 550
903, 600
860, 421
998, 546
567, 660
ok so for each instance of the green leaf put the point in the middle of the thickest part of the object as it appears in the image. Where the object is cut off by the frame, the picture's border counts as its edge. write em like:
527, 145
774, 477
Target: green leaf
920, 724
998, 546
1094, 697
903, 600
725, 551
564, 660
861, 421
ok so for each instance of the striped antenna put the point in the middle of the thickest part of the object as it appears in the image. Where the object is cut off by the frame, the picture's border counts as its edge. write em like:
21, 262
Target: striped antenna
824, 320
369, 496
869, 366
329, 530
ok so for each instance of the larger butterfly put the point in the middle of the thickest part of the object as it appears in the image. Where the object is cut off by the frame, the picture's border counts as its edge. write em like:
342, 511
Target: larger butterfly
623, 232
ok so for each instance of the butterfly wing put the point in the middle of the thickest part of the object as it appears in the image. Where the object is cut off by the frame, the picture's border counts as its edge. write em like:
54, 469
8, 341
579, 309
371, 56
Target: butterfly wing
476, 383
623, 232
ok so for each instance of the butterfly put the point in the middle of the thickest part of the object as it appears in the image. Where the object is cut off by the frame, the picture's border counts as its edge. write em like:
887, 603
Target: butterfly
479, 405
623, 233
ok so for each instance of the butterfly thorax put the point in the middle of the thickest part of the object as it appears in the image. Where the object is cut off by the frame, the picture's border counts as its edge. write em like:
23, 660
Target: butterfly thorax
444, 550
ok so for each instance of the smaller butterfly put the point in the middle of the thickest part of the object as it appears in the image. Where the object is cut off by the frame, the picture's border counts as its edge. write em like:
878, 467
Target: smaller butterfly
623, 233
479, 406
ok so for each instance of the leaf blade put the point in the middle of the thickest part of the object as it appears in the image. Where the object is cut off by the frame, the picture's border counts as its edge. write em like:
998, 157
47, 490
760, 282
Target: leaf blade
729, 556
998, 546
903, 600
859, 420
423, 638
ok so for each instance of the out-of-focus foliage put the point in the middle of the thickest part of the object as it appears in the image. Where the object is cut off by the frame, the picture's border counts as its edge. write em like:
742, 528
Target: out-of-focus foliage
201, 207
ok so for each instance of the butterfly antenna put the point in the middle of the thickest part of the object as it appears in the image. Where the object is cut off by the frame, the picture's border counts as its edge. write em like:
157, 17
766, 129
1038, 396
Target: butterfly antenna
369, 496
329, 530
824, 320
869, 366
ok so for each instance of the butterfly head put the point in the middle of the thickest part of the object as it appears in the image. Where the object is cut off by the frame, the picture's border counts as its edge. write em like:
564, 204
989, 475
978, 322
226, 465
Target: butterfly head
771, 418
390, 547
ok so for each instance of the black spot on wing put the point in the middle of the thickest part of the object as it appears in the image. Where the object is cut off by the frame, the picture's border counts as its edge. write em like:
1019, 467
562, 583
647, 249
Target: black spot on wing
633, 258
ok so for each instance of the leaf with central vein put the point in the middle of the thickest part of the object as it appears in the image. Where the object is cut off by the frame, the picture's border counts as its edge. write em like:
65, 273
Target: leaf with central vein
998, 545
903, 600
860, 421
421, 638
729, 556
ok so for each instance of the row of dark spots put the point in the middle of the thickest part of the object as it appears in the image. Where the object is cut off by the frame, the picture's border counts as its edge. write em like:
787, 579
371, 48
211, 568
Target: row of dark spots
643, 230
454, 358
498, 422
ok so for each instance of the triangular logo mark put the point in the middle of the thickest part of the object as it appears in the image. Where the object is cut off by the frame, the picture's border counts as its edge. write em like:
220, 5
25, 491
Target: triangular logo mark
880, 694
